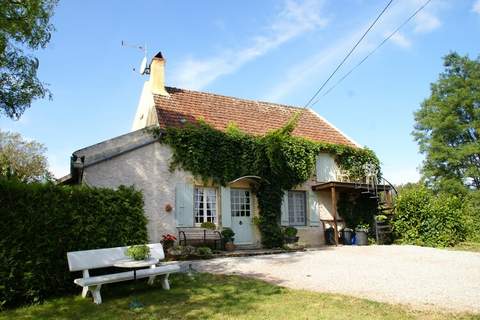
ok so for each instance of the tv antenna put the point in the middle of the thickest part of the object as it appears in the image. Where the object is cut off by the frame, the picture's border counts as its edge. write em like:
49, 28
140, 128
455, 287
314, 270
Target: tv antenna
144, 68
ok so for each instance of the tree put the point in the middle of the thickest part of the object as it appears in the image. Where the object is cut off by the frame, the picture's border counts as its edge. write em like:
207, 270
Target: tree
24, 24
22, 159
448, 126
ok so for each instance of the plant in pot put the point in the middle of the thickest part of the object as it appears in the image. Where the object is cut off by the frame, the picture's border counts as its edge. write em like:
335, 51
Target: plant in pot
168, 240
381, 229
381, 219
290, 235
208, 225
361, 234
138, 252
228, 239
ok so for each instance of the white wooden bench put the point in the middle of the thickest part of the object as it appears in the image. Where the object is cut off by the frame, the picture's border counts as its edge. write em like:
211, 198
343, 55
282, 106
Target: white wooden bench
104, 258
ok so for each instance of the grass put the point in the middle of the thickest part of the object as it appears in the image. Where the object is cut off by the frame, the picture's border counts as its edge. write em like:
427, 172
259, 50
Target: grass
468, 246
207, 296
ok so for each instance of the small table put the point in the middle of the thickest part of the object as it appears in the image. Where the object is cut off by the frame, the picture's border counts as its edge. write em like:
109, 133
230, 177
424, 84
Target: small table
135, 265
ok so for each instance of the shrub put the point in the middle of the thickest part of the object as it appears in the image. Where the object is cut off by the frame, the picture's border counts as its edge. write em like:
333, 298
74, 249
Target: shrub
204, 252
208, 225
290, 231
471, 216
42, 222
228, 234
356, 209
425, 218
138, 252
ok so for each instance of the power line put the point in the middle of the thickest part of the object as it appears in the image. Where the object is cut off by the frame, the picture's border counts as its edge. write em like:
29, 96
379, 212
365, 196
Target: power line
349, 53
374, 50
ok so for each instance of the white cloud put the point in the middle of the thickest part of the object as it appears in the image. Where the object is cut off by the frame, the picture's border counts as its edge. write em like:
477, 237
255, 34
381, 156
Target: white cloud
325, 60
476, 7
322, 62
400, 40
426, 22
58, 165
401, 175
295, 19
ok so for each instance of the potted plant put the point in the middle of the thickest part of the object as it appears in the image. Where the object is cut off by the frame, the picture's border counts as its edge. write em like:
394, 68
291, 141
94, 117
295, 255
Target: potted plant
208, 225
168, 240
361, 234
228, 239
138, 252
382, 229
290, 235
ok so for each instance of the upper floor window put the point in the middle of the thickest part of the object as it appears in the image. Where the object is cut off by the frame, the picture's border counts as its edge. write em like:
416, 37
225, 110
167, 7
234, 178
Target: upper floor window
205, 209
297, 212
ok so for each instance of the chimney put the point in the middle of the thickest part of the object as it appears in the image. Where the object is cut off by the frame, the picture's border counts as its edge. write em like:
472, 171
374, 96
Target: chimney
157, 75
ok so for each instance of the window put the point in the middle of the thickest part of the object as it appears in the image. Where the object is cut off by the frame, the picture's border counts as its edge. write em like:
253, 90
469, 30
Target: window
205, 209
240, 202
297, 213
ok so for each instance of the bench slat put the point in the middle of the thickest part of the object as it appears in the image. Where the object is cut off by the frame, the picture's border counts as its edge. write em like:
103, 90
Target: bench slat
128, 275
103, 258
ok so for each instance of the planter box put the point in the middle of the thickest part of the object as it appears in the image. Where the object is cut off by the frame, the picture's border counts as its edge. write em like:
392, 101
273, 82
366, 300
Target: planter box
361, 237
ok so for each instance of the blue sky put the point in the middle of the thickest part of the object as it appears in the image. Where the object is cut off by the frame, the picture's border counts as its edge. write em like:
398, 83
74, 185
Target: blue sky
279, 51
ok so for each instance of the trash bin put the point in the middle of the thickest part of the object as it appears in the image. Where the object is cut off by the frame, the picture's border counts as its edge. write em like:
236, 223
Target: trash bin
330, 236
347, 236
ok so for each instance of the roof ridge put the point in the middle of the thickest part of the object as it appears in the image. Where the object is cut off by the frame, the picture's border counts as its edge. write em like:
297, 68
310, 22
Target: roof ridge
243, 99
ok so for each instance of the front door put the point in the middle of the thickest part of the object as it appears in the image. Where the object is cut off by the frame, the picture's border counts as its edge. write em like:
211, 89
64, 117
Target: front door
241, 205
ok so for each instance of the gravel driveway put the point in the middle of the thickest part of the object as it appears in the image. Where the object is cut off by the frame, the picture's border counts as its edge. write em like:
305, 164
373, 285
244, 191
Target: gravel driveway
416, 276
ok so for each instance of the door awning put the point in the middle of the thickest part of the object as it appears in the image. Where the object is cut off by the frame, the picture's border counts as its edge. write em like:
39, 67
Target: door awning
255, 179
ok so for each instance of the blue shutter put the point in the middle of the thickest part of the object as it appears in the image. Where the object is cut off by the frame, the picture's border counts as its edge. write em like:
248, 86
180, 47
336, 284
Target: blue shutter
314, 212
226, 207
284, 218
184, 205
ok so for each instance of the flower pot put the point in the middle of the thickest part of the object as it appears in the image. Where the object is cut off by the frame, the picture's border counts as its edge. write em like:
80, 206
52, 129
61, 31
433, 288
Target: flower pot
167, 244
361, 237
347, 236
230, 246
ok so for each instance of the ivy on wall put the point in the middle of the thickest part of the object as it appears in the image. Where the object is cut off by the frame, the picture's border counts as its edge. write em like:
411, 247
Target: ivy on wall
281, 159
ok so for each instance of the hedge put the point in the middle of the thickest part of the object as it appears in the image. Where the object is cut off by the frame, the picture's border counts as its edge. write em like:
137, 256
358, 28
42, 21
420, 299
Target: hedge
40, 223
425, 218
471, 216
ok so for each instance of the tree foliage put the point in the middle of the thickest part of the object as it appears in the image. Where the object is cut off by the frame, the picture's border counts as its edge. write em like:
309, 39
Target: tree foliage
448, 126
282, 160
22, 159
24, 25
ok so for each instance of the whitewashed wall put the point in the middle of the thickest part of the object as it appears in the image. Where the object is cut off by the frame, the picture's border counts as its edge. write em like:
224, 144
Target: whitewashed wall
147, 168
326, 168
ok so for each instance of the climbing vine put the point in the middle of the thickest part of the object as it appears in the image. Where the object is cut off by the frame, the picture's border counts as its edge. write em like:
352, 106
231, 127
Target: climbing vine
281, 159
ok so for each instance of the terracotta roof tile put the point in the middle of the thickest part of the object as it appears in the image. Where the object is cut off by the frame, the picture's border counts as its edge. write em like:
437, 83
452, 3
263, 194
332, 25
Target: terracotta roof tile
253, 117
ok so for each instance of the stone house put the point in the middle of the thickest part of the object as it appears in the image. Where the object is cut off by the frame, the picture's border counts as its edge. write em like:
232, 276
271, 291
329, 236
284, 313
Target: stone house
175, 200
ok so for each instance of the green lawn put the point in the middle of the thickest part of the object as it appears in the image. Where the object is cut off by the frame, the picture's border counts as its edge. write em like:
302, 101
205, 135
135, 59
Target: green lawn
468, 246
218, 297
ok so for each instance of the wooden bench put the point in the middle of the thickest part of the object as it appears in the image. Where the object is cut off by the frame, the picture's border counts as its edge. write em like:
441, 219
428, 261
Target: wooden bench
104, 258
200, 235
